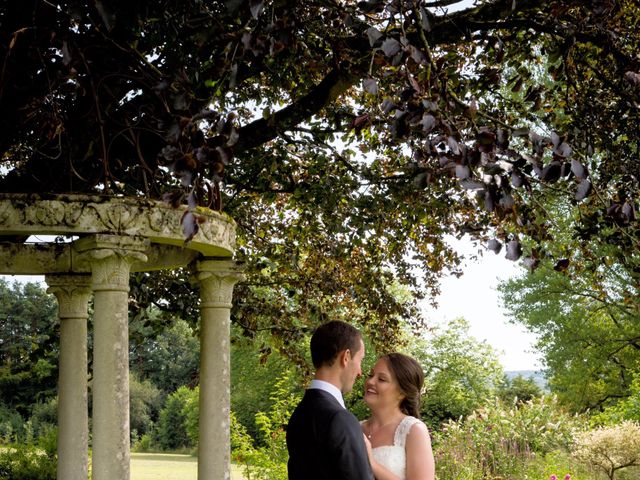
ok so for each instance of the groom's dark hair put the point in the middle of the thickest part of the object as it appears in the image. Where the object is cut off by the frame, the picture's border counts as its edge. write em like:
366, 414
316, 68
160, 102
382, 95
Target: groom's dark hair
331, 338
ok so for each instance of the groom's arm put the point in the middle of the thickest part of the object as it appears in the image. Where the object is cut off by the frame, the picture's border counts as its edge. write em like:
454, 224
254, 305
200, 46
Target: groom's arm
348, 447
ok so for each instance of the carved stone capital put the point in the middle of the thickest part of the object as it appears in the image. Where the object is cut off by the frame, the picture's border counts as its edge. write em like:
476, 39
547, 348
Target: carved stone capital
72, 292
111, 258
217, 279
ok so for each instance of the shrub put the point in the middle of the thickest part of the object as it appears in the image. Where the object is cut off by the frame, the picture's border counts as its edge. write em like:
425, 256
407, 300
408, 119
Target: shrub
269, 460
143, 444
44, 416
626, 409
191, 411
27, 462
499, 440
144, 405
610, 449
558, 464
171, 433
11, 425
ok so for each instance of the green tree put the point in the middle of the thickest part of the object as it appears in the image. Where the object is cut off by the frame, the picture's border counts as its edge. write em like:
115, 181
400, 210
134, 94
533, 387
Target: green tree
582, 308
29, 336
519, 389
169, 358
461, 373
587, 329
346, 138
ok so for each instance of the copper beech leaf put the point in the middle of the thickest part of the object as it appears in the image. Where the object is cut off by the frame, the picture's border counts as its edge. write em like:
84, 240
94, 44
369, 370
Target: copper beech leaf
391, 47
583, 190
514, 250
494, 245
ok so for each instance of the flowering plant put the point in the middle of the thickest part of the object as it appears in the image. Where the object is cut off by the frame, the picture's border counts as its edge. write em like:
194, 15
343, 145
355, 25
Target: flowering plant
610, 448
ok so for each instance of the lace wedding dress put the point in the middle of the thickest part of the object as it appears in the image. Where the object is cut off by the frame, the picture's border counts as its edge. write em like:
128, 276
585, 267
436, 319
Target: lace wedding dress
393, 456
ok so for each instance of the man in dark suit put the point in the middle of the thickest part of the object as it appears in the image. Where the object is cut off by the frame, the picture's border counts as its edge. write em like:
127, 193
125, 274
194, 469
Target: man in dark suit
324, 439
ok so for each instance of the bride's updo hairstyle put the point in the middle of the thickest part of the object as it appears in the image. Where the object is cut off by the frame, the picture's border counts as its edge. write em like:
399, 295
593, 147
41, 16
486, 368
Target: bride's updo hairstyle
410, 378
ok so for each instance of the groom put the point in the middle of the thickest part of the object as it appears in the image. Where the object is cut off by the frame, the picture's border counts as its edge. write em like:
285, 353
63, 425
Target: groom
325, 440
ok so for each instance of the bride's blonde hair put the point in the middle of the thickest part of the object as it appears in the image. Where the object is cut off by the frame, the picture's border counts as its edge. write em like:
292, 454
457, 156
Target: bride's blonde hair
410, 377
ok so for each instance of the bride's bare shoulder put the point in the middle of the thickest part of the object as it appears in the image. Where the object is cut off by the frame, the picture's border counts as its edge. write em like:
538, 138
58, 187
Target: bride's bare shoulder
418, 429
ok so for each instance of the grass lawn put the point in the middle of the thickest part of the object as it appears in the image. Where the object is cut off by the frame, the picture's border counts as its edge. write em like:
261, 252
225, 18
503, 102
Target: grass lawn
162, 466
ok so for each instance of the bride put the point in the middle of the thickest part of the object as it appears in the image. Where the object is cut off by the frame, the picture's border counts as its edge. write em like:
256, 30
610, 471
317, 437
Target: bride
398, 443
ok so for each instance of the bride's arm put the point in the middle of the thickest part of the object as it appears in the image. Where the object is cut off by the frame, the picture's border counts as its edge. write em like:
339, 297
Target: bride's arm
380, 472
420, 462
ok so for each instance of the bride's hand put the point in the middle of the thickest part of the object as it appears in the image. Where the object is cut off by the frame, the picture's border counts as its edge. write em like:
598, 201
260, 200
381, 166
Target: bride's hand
367, 442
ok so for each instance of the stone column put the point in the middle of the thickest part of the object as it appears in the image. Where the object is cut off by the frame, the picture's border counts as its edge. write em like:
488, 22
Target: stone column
110, 258
72, 293
217, 279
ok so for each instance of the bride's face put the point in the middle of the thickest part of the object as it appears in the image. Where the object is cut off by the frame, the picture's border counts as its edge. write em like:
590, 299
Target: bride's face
381, 387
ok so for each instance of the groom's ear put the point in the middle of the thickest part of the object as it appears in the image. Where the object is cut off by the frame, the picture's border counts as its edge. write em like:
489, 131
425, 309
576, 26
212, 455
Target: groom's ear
344, 356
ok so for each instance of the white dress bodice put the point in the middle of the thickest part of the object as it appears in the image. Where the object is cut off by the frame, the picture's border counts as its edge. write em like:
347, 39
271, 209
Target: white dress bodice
393, 457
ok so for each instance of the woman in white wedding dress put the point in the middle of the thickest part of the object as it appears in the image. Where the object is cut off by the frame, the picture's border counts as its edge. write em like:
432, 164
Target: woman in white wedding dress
398, 442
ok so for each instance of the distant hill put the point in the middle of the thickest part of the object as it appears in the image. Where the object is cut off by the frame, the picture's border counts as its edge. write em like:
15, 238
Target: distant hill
537, 376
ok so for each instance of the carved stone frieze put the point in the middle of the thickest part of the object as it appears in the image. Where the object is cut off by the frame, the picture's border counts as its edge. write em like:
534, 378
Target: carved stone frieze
26, 214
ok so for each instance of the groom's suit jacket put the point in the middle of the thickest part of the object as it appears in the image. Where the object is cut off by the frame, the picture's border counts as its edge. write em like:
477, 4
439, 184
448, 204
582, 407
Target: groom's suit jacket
325, 441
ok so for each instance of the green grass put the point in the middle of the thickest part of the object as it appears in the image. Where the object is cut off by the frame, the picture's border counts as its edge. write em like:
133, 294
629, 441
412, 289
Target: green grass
162, 466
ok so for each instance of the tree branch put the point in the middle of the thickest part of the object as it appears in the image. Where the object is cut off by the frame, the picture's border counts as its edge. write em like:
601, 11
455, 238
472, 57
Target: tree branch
263, 130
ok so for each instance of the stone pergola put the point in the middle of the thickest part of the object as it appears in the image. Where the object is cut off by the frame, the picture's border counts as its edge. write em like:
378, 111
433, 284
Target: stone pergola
113, 237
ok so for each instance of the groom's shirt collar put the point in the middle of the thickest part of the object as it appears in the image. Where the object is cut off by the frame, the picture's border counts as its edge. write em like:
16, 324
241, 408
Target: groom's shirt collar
329, 388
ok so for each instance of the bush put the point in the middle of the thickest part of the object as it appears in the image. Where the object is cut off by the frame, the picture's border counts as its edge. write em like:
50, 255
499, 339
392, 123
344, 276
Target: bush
44, 416
559, 463
27, 462
499, 440
269, 460
11, 425
626, 409
254, 369
143, 444
144, 405
31, 447
171, 431
610, 449
191, 411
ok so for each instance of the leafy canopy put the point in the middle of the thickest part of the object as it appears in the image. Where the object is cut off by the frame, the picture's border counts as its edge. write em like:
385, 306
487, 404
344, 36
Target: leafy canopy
346, 138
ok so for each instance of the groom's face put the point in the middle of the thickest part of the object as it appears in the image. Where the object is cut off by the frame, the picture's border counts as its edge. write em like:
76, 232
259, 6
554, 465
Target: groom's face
354, 368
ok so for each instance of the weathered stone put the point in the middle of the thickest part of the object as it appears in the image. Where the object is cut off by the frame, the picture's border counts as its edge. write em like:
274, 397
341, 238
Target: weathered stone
111, 237
81, 215
217, 279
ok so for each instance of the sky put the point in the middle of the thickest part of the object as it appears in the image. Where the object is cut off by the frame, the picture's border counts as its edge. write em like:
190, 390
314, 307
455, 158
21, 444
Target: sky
474, 296
481, 305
